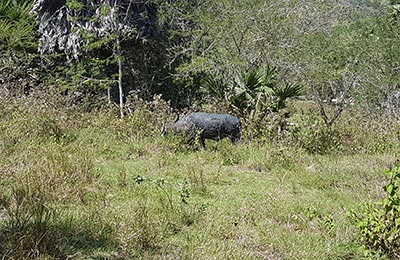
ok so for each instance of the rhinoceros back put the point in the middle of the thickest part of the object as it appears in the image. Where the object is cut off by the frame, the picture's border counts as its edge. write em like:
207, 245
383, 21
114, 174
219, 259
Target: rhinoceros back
215, 126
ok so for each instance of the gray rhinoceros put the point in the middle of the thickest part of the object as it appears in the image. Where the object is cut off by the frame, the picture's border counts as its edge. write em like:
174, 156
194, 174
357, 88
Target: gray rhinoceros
207, 126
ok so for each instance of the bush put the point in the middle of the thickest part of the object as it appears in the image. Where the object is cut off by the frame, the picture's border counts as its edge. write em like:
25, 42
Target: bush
309, 132
379, 224
146, 117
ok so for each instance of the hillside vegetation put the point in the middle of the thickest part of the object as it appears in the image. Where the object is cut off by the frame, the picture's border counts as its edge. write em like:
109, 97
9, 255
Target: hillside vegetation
86, 86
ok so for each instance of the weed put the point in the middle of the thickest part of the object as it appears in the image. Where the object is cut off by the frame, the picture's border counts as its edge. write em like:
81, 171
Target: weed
197, 179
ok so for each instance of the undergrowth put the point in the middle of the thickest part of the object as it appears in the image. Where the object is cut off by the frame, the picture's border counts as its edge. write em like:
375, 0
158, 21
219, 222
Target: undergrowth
91, 186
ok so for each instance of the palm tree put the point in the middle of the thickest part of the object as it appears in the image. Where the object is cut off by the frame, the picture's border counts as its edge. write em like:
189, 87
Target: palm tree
281, 94
259, 91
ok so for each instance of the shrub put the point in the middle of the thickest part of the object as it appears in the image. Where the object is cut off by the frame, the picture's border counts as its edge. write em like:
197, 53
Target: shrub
146, 117
379, 224
309, 132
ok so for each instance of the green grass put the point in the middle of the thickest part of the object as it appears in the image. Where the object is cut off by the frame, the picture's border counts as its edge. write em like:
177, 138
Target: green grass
97, 189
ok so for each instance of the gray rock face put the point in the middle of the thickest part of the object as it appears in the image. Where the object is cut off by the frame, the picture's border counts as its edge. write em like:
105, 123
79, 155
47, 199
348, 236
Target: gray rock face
208, 126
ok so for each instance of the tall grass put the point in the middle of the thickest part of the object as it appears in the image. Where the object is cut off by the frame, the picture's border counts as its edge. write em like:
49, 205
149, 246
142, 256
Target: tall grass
91, 186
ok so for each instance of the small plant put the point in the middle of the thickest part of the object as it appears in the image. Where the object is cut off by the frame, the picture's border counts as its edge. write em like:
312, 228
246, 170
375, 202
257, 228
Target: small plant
184, 192
379, 224
189, 212
168, 207
281, 157
197, 179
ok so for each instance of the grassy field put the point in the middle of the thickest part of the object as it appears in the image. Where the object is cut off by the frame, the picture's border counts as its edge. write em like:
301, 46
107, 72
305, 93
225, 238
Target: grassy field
95, 187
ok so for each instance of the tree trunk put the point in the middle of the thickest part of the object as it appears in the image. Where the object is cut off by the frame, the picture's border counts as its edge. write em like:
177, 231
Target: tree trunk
121, 93
109, 95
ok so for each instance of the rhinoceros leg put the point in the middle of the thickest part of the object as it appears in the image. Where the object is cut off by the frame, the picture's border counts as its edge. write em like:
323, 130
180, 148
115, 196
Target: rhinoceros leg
235, 138
202, 143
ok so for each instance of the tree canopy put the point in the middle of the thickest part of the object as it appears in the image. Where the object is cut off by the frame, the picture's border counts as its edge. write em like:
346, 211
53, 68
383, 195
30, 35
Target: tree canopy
64, 25
335, 50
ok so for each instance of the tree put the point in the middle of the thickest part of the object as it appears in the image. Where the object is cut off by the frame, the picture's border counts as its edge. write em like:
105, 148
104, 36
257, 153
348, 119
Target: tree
75, 26
17, 47
236, 35
333, 99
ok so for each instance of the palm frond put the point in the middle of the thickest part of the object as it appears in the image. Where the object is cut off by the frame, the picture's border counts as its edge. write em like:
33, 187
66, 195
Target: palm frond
253, 80
283, 93
6, 29
269, 75
25, 7
216, 87
266, 90
288, 91
241, 101
23, 34
14, 10
5, 6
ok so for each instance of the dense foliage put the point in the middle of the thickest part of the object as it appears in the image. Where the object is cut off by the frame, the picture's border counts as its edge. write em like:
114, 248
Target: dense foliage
18, 47
340, 53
